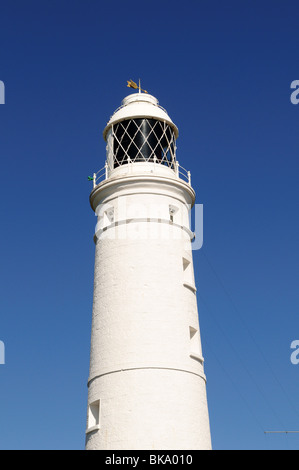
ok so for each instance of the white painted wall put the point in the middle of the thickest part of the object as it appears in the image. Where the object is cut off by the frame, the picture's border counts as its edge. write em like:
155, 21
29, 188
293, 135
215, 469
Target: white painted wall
146, 365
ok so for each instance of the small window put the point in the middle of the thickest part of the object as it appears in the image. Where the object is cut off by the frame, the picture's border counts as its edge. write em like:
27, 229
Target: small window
186, 263
108, 217
192, 332
195, 352
109, 214
194, 340
188, 273
94, 414
172, 211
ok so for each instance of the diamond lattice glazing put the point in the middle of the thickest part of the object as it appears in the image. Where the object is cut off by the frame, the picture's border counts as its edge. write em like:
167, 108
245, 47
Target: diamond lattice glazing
141, 140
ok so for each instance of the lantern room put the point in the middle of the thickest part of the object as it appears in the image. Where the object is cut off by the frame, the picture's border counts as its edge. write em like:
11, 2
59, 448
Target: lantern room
140, 131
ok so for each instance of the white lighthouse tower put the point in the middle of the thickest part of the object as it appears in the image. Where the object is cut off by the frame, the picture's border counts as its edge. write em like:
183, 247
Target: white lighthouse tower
146, 386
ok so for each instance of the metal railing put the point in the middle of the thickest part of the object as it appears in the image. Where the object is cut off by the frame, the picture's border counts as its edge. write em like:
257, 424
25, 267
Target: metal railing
182, 173
103, 174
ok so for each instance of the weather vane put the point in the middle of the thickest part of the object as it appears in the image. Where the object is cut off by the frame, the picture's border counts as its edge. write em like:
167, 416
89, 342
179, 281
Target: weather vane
132, 84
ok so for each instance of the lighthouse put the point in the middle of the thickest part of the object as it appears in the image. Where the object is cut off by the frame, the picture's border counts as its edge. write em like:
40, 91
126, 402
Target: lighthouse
146, 384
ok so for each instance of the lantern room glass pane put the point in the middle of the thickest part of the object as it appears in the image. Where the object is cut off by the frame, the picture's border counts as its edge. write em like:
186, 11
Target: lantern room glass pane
140, 140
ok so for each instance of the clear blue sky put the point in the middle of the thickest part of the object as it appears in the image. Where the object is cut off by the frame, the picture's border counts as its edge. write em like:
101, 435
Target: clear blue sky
223, 71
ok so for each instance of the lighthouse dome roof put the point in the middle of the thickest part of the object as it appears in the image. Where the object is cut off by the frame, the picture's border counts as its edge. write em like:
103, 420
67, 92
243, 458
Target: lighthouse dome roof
140, 105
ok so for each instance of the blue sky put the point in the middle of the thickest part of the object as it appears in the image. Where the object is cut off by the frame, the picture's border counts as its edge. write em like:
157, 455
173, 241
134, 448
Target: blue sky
223, 72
